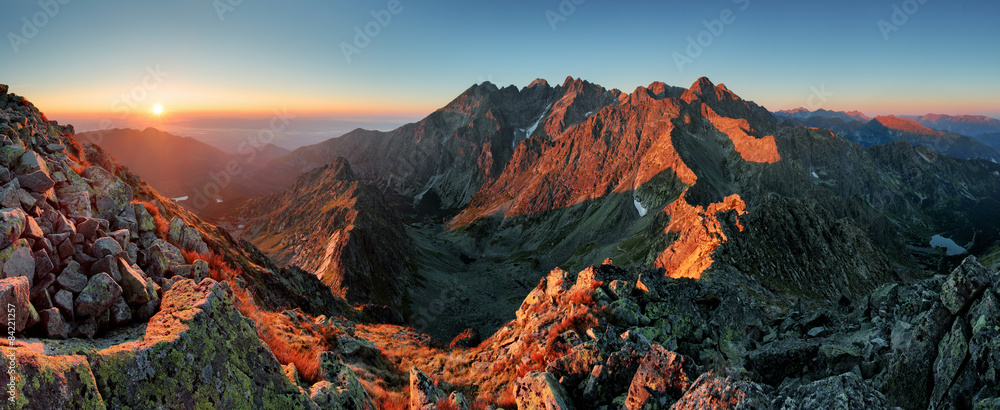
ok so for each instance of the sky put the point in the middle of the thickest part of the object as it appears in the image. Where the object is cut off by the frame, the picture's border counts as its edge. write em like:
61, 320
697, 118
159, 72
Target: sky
112, 61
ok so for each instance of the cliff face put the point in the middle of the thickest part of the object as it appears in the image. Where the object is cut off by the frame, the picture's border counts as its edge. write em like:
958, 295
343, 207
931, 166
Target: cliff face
341, 230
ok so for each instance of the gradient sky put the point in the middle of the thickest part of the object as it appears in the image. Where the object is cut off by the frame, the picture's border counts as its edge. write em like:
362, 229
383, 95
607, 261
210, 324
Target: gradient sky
266, 55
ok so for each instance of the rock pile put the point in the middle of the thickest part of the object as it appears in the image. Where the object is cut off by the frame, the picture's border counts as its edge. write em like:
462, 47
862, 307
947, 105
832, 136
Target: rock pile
73, 235
650, 341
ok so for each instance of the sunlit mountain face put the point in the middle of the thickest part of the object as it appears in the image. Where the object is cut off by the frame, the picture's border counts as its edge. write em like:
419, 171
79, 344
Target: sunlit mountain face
563, 205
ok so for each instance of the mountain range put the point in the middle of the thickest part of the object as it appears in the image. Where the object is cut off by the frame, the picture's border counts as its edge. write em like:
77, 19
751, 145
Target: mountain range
578, 246
958, 136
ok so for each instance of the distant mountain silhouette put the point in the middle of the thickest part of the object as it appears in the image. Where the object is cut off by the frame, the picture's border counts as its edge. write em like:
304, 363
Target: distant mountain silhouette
185, 167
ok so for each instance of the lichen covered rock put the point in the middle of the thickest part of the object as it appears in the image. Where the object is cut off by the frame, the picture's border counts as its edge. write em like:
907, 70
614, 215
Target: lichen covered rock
196, 350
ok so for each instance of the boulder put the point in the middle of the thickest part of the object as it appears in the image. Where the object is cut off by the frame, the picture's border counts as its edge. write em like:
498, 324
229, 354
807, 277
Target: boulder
424, 395
352, 346
198, 349
88, 228
133, 284
10, 155
120, 312
100, 293
967, 279
14, 299
9, 197
185, 236
32, 230
51, 382
63, 300
111, 194
143, 219
109, 265
71, 279
37, 181
106, 246
18, 261
340, 387
773, 362
161, 256
663, 376
53, 324
844, 392
122, 236
11, 225
952, 351
31, 162
710, 391
540, 390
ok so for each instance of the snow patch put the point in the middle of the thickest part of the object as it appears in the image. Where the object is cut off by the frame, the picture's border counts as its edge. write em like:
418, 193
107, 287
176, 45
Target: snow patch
638, 207
531, 130
180, 198
814, 175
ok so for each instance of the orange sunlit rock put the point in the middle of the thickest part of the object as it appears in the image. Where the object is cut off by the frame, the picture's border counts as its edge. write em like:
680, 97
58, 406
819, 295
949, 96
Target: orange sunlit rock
752, 149
700, 234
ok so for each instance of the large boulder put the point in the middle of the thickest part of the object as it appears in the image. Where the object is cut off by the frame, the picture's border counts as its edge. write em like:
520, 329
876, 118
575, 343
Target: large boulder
424, 394
663, 376
340, 387
100, 293
71, 278
106, 246
185, 236
50, 382
14, 294
11, 225
844, 392
964, 282
111, 195
710, 391
540, 390
18, 261
198, 349
161, 257
37, 181
134, 284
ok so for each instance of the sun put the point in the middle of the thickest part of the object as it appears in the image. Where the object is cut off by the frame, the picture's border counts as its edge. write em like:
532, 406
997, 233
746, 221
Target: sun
157, 109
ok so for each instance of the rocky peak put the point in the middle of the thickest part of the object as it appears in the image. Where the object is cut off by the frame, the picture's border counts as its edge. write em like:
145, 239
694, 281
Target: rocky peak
906, 125
539, 82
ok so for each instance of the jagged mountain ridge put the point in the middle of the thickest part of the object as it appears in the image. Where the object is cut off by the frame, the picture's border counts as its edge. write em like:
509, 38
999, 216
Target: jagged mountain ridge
444, 158
341, 230
678, 178
971, 125
884, 129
